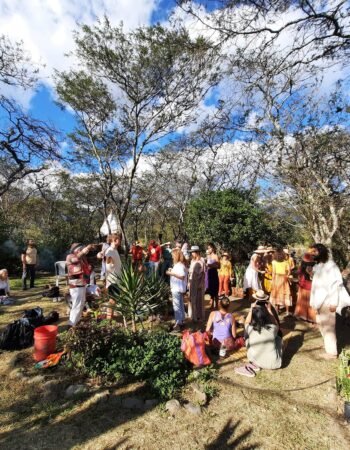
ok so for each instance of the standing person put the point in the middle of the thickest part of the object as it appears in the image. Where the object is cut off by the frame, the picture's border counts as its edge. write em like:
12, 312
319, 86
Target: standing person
137, 253
101, 255
196, 284
267, 277
113, 262
78, 277
280, 289
154, 255
29, 258
303, 309
289, 258
213, 265
225, 275
167, 261
251, 282
328, 295
4, 283
178, 284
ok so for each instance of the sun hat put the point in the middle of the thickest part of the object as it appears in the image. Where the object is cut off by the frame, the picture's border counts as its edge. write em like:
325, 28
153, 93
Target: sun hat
260, 249
225, 254
270, 249
194, 248
286, 251
260, 295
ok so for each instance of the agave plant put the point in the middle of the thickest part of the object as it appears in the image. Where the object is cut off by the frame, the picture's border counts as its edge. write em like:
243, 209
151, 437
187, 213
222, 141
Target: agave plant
239, 274
136, 295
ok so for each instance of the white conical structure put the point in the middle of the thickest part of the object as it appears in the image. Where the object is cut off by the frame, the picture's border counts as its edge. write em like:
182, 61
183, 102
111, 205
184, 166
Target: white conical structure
113, 225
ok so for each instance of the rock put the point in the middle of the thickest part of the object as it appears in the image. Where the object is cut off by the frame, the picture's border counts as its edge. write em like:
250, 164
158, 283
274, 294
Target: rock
75, 389
132, 403
201, 396
193, 409
36, 379
172, 406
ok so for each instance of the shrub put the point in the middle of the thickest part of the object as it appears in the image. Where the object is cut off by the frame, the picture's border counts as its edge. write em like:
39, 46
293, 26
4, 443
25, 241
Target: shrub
99, 349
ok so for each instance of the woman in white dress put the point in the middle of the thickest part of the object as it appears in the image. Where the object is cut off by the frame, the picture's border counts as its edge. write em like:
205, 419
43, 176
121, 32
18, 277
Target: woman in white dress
251, 281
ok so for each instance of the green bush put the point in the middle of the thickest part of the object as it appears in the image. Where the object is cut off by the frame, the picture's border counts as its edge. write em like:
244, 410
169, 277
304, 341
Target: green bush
99, 349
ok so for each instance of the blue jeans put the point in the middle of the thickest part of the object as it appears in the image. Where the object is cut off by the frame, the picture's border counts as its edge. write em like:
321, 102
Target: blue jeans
178, 305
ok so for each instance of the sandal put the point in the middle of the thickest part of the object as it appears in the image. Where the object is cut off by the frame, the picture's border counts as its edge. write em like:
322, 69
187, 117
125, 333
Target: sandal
245, 371
254, 367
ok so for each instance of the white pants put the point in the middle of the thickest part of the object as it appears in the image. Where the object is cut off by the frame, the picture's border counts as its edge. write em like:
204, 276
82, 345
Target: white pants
326, 322
78, 296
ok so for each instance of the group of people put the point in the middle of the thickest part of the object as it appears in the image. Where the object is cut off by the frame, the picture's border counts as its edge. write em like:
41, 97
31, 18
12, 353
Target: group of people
273, 280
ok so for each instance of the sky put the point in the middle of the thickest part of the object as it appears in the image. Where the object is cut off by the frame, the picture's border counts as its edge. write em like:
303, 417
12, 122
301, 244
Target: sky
46, 29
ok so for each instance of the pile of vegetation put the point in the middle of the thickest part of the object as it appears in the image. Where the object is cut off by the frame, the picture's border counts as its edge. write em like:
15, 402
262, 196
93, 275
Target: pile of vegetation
99, 349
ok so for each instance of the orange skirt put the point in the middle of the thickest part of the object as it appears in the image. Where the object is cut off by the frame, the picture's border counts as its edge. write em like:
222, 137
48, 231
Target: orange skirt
302, 308
280, 291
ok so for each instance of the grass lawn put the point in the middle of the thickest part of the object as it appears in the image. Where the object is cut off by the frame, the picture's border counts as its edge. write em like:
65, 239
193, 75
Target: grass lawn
292, 408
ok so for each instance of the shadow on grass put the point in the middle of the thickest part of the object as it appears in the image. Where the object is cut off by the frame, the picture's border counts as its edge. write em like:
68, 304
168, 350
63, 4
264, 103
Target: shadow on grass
227, 440
58, 425
293, 344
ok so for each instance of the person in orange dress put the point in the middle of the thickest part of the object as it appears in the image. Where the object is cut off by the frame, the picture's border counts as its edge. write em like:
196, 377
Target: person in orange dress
225, 275
303, 309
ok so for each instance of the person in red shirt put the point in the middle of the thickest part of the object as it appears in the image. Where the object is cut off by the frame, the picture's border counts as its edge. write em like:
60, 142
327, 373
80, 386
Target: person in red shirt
137, 254
154, 255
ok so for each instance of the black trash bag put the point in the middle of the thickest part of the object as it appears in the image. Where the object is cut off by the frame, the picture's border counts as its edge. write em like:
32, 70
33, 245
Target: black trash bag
34, 316
17, 335
52, 292
53, 317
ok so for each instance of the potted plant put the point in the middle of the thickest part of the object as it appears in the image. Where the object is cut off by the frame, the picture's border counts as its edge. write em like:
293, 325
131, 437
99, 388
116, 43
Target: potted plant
343, 380
239, 270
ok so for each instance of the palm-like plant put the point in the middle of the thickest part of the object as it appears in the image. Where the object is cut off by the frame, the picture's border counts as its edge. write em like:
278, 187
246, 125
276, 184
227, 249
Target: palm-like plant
136, 295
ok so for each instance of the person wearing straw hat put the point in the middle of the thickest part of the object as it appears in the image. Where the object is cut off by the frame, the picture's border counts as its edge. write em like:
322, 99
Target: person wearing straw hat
280, 289
251, 281
225, 274
196, 285
263, 342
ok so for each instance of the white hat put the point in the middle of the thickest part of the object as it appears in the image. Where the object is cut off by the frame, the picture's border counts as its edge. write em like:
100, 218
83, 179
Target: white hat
194, 248
260, 295
260, 249
286, 251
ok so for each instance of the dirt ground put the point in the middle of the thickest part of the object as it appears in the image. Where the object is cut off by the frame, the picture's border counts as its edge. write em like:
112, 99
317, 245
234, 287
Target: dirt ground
292, 408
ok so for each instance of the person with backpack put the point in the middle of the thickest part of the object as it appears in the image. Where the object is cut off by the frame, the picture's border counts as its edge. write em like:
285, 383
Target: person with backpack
79, 271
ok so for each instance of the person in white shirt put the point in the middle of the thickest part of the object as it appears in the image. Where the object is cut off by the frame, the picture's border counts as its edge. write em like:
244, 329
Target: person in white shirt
178, 286
113, 262
328, 295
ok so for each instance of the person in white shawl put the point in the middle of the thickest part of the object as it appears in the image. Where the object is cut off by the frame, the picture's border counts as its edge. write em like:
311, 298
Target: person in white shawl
328, 296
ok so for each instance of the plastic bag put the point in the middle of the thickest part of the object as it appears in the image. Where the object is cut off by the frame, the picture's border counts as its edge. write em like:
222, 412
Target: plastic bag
193, 347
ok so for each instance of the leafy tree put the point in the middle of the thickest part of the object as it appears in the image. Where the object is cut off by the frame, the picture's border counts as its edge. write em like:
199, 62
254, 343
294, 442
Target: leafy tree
133, 90
232, 219
26, 144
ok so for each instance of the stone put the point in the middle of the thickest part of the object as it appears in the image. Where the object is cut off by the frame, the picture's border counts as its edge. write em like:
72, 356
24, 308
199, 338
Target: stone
75, 389
172, 406
151, 403
193, 409
132, 403
36, 379
100, 397
201, 396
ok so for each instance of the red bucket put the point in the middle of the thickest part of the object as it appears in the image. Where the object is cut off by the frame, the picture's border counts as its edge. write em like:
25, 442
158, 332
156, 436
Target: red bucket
44, 341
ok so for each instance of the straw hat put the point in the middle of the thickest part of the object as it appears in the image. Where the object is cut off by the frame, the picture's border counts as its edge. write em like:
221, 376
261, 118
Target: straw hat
261, 249
194, 248
269, 250
260, 295
225, 254
286, 251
